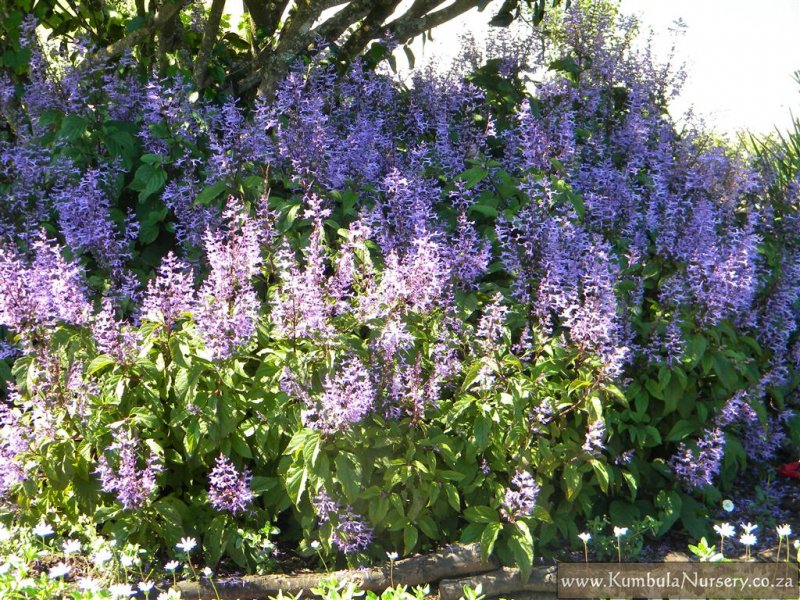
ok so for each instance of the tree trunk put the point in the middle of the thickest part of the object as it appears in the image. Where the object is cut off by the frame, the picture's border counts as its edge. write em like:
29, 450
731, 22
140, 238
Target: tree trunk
452, 561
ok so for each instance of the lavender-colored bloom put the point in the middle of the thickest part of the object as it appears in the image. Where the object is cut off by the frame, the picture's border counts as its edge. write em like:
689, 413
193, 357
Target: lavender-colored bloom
492, 325
44, 292
470, 254
170, 293
84, 212
350, 533
520, 498
595, 438
698, 467
347, 399
14, 440
131, 484
113, 336
229, 490
227, 307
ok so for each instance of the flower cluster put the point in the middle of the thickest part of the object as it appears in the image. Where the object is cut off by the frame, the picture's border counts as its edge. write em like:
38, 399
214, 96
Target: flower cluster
350, 533
131, 484
520, 501
229, 490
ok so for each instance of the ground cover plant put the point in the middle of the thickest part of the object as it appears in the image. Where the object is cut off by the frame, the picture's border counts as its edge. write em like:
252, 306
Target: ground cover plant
504, 304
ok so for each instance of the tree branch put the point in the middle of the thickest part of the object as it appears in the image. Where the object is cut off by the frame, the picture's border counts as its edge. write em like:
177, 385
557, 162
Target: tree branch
369, 28
266, 15
333, 28
295, 36
130, 40
406, 28
207, 45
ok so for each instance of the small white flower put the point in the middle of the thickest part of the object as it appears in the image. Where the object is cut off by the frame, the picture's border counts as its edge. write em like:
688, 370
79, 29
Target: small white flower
725, 530
749, 527
620, 531
60, 570
172, 565
88, 584
126, 560
392, 556
5, 567
784, 530
585, 536
102, 556
208, 572
71, 546
121, 590
187, 544
796, 544
172, 594
727, 506
5, 534
145, 586
748, 539
315, 545
43, 530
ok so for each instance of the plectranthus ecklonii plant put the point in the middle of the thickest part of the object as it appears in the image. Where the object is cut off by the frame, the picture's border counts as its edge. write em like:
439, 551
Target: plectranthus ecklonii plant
386, 318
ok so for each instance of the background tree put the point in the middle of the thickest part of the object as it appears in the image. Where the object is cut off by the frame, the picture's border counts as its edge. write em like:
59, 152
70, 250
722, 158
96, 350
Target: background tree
163, 34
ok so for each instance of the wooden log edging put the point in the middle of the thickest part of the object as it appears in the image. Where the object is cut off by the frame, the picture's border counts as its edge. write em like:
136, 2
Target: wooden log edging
453, 561
504, 582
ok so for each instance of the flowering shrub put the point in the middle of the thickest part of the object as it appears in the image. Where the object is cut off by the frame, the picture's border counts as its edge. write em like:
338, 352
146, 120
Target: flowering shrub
387, 318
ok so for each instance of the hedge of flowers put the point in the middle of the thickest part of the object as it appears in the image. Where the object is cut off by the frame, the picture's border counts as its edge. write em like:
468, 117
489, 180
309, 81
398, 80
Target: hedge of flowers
488, 306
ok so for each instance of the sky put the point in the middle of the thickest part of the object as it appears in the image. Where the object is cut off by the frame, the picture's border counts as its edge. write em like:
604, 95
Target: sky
740, 56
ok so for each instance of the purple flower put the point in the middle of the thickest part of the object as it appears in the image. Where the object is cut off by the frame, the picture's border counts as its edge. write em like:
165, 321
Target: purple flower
348, 398
14, 440
595, 438
492, 325
114, 337
229, 490
350, 533
697, 467
227, 306
170, 293
47, 291
520, 497
131, 484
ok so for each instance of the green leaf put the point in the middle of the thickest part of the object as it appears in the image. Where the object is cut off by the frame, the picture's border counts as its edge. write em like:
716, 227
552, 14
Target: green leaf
726, 373
481, 514
602, 473
410, 535
72, 127
348, 472
148, 180
630, 479
452, 497
484, 209
210, 193
473, 176
296, 478
99, 363
472, 532
483, 430
521, 546
572, 480
172, 511
669, 504
214, 540
567, 65
680, 430
488, 538
428, 526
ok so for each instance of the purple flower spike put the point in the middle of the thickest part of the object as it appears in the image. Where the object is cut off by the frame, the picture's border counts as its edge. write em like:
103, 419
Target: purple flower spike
229, 490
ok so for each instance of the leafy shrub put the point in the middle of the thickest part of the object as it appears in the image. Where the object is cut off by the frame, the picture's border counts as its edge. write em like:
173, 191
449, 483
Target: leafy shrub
388, 318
